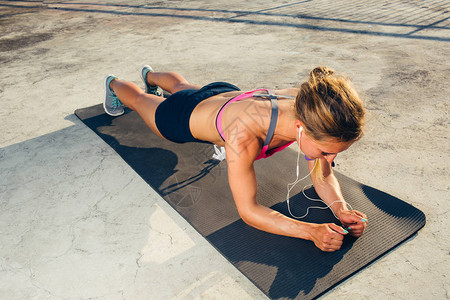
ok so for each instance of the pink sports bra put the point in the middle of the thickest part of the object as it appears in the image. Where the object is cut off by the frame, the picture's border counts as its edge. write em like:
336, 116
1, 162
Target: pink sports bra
273, 120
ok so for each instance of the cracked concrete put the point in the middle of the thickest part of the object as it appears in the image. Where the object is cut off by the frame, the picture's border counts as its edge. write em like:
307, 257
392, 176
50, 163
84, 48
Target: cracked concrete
77, 223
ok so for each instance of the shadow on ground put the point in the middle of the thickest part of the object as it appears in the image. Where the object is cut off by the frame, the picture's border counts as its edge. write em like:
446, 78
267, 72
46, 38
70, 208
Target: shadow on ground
380, 19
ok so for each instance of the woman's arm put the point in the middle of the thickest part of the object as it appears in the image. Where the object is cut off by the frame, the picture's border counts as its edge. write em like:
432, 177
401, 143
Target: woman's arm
329, 191
241, 153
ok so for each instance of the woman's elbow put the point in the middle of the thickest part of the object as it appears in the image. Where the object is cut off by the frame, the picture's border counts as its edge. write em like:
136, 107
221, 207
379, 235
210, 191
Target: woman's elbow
245, 216
248, 216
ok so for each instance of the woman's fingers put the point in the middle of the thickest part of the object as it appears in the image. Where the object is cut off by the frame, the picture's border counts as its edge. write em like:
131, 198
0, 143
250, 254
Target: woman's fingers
361, 215
338, 229
330, 237
357, 229
355, 222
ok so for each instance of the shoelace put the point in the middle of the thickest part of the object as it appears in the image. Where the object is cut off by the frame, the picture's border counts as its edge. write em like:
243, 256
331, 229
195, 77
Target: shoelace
153, 89
115, 102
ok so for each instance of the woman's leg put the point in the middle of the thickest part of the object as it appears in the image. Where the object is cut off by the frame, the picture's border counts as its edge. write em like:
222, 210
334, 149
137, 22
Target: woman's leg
170, 81
146, 104
134, 98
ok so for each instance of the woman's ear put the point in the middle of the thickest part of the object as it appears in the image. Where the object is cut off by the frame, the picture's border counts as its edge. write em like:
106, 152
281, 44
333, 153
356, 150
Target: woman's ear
298, 124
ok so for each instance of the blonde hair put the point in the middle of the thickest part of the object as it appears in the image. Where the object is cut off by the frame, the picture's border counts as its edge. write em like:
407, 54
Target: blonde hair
329, 108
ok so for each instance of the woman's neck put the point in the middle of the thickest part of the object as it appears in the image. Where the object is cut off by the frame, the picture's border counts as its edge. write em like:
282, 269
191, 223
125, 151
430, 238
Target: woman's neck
285, 130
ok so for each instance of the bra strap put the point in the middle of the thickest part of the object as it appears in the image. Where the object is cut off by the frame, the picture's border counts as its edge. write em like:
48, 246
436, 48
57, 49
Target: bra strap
273, 118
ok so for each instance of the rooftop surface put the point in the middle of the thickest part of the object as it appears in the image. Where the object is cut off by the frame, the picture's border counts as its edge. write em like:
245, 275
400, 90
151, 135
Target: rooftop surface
76, 222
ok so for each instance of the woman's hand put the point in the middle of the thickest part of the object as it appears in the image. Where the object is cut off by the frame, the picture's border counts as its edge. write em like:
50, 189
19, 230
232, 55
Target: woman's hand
328, 237
354, 221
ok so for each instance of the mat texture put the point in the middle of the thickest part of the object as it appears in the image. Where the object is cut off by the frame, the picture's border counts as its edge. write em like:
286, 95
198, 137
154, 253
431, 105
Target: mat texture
196, 186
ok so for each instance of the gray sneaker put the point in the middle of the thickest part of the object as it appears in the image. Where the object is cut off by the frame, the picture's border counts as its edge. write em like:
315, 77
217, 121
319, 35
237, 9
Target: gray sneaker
112, 104
149, 89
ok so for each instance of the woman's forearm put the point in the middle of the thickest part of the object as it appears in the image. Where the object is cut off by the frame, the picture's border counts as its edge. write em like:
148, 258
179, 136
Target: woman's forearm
261, 217
329, 191
327, 237
269, 220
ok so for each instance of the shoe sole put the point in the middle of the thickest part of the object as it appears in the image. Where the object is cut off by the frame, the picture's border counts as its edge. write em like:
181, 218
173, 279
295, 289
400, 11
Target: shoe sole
105, 81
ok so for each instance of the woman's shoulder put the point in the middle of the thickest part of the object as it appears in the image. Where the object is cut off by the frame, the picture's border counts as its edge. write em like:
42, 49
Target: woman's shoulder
287, 92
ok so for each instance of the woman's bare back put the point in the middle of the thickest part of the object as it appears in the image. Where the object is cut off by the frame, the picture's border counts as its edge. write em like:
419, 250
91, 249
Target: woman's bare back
248, 113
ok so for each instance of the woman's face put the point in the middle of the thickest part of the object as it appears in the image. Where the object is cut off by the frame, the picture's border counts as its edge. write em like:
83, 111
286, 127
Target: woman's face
316, 149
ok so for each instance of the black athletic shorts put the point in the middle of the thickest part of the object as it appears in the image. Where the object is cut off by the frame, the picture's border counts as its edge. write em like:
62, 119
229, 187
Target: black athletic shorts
173, 114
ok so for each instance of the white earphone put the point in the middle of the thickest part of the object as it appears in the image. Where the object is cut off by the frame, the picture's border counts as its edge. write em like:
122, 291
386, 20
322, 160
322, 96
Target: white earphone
290, 186
299, 149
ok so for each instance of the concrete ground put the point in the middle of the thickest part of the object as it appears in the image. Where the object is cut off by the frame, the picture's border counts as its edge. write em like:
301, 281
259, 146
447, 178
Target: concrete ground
77, 223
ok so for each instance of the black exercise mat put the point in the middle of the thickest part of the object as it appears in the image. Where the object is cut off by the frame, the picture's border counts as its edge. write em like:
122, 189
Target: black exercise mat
197, 187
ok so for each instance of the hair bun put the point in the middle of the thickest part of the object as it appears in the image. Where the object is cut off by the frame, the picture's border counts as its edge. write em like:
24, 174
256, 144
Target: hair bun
320, 73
